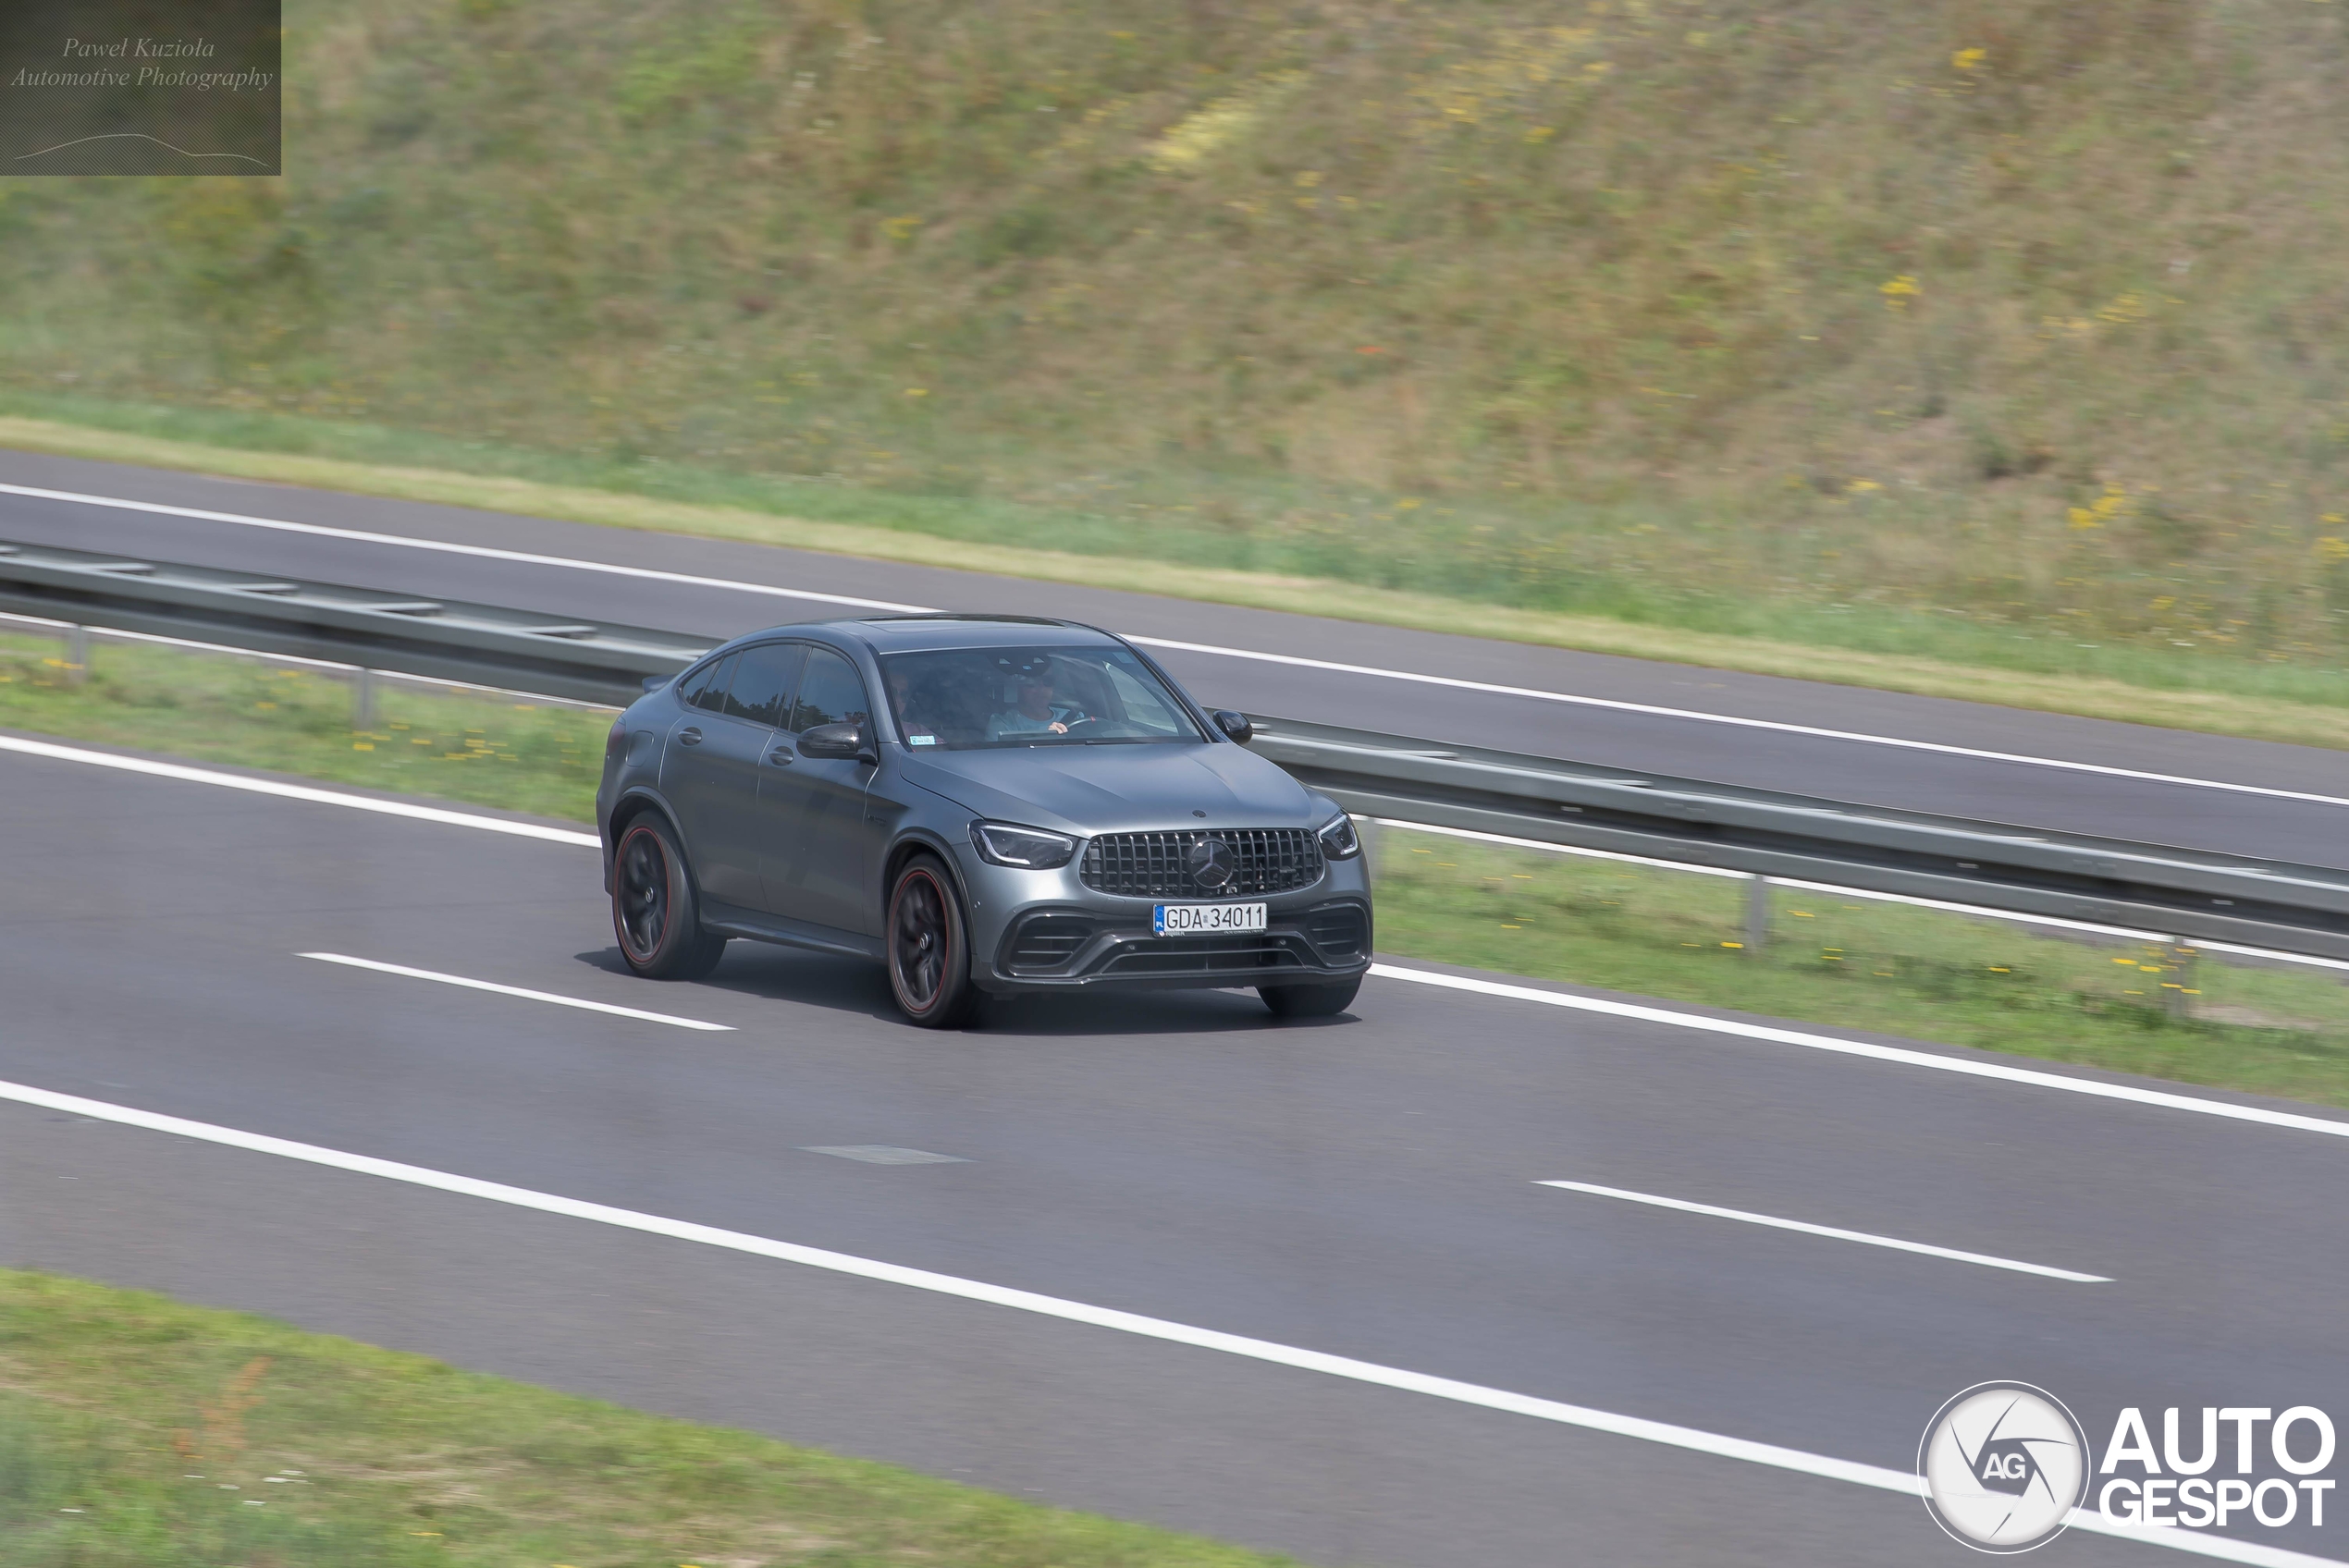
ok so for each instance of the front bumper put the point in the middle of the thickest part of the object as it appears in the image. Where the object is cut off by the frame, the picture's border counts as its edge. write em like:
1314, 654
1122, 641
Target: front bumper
1047, 932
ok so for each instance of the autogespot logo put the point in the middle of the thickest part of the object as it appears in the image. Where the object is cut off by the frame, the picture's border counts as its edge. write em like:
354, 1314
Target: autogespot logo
2004, 1464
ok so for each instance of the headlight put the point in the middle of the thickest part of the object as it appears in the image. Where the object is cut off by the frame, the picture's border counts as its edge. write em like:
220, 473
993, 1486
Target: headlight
1029, 849
1338, 840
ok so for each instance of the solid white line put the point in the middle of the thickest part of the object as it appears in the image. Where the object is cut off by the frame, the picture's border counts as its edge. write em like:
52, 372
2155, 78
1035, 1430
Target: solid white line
1780, 725
1841, 1236
442, 547
515, 991
1583, 1416
1453, 683
295, 791
2129, 1092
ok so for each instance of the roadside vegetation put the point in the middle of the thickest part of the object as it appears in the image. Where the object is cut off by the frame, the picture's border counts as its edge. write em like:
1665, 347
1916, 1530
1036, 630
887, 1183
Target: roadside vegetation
137, 1432
1676, 935
1998, 334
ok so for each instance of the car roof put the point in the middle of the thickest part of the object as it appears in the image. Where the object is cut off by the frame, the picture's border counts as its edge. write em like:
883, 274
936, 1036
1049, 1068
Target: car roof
922, 633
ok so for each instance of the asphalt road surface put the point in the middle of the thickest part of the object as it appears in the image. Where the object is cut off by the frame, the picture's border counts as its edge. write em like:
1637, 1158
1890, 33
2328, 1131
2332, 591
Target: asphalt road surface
1970, 785
1365, 1187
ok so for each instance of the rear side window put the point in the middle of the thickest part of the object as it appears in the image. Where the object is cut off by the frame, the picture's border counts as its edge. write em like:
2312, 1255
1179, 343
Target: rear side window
762, 682
831, 693
708, 689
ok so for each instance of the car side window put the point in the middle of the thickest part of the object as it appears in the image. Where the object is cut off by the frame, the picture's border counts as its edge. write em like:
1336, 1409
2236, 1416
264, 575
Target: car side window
830, 693
708, 691
762, 682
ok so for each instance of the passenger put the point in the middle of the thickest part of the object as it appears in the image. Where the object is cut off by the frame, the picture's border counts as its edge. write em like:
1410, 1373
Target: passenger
1036, 713
912, 716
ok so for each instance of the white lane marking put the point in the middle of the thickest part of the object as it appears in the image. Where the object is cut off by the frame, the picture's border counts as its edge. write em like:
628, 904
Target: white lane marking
441, 546
1688, 1437
1386, 971
2129, 1092
1838, 1234
459, 980
1780, 725
295, 791
1454, 682
883, 1154
1974, 911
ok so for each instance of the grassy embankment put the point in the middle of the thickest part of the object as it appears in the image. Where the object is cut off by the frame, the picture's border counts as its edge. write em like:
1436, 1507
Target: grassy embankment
136, 1432
1905, 971
1993, 333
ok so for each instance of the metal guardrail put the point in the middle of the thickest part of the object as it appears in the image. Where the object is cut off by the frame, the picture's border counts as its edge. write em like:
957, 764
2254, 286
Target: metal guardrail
444, 638
2195, 896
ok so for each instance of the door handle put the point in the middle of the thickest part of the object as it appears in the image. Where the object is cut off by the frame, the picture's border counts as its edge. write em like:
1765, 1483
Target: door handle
780, 755
689, 737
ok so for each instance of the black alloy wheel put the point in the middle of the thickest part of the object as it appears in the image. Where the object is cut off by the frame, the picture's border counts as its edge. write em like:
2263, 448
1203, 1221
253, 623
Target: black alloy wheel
653, 908
928, 948
1310, 1001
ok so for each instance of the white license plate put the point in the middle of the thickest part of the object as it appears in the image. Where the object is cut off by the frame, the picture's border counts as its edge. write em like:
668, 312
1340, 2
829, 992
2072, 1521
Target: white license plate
1185, 920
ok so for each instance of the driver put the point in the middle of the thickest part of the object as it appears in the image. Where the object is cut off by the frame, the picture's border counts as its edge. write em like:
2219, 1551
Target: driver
1036, 713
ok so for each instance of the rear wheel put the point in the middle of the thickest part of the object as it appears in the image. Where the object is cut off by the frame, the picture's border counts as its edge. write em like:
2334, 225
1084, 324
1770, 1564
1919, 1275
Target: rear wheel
929, 964
1309, 1001
654, 911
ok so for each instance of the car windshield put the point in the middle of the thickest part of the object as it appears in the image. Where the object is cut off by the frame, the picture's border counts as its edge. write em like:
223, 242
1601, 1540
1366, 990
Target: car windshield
956, 699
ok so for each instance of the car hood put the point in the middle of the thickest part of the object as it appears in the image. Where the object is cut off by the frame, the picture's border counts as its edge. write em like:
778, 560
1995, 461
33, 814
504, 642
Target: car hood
1087, 789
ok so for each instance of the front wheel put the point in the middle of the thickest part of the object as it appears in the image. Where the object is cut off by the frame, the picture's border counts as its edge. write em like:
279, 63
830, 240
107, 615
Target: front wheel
929, 962
654, 911
1310, 1001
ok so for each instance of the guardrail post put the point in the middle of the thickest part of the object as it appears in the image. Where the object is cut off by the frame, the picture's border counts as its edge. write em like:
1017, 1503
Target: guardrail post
77, 654
363, 698
1757, 915
2178, 992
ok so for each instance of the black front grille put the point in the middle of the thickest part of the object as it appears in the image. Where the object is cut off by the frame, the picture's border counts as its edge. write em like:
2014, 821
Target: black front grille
1159, 866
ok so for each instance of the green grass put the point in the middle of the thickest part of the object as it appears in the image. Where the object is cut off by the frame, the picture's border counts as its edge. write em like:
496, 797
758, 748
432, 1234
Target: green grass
513, 755
137, 1432
1898, 971
1873, 966
2000, 332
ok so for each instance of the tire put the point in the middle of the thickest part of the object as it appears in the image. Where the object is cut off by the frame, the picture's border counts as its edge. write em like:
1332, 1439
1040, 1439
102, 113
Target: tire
928, 941
654, 911
1310, 1001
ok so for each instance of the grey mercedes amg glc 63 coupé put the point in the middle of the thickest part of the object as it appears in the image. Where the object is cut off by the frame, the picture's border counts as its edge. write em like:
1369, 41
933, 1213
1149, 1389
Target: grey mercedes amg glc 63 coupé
982, 804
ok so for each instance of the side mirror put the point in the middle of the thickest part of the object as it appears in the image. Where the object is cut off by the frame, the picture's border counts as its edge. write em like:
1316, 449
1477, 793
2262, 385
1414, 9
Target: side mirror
654, 682
842, 742
1234, 725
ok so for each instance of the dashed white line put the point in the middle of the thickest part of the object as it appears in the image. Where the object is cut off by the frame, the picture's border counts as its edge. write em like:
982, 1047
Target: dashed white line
462, 982
1453, 683
1836, 1233
1690, 1439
